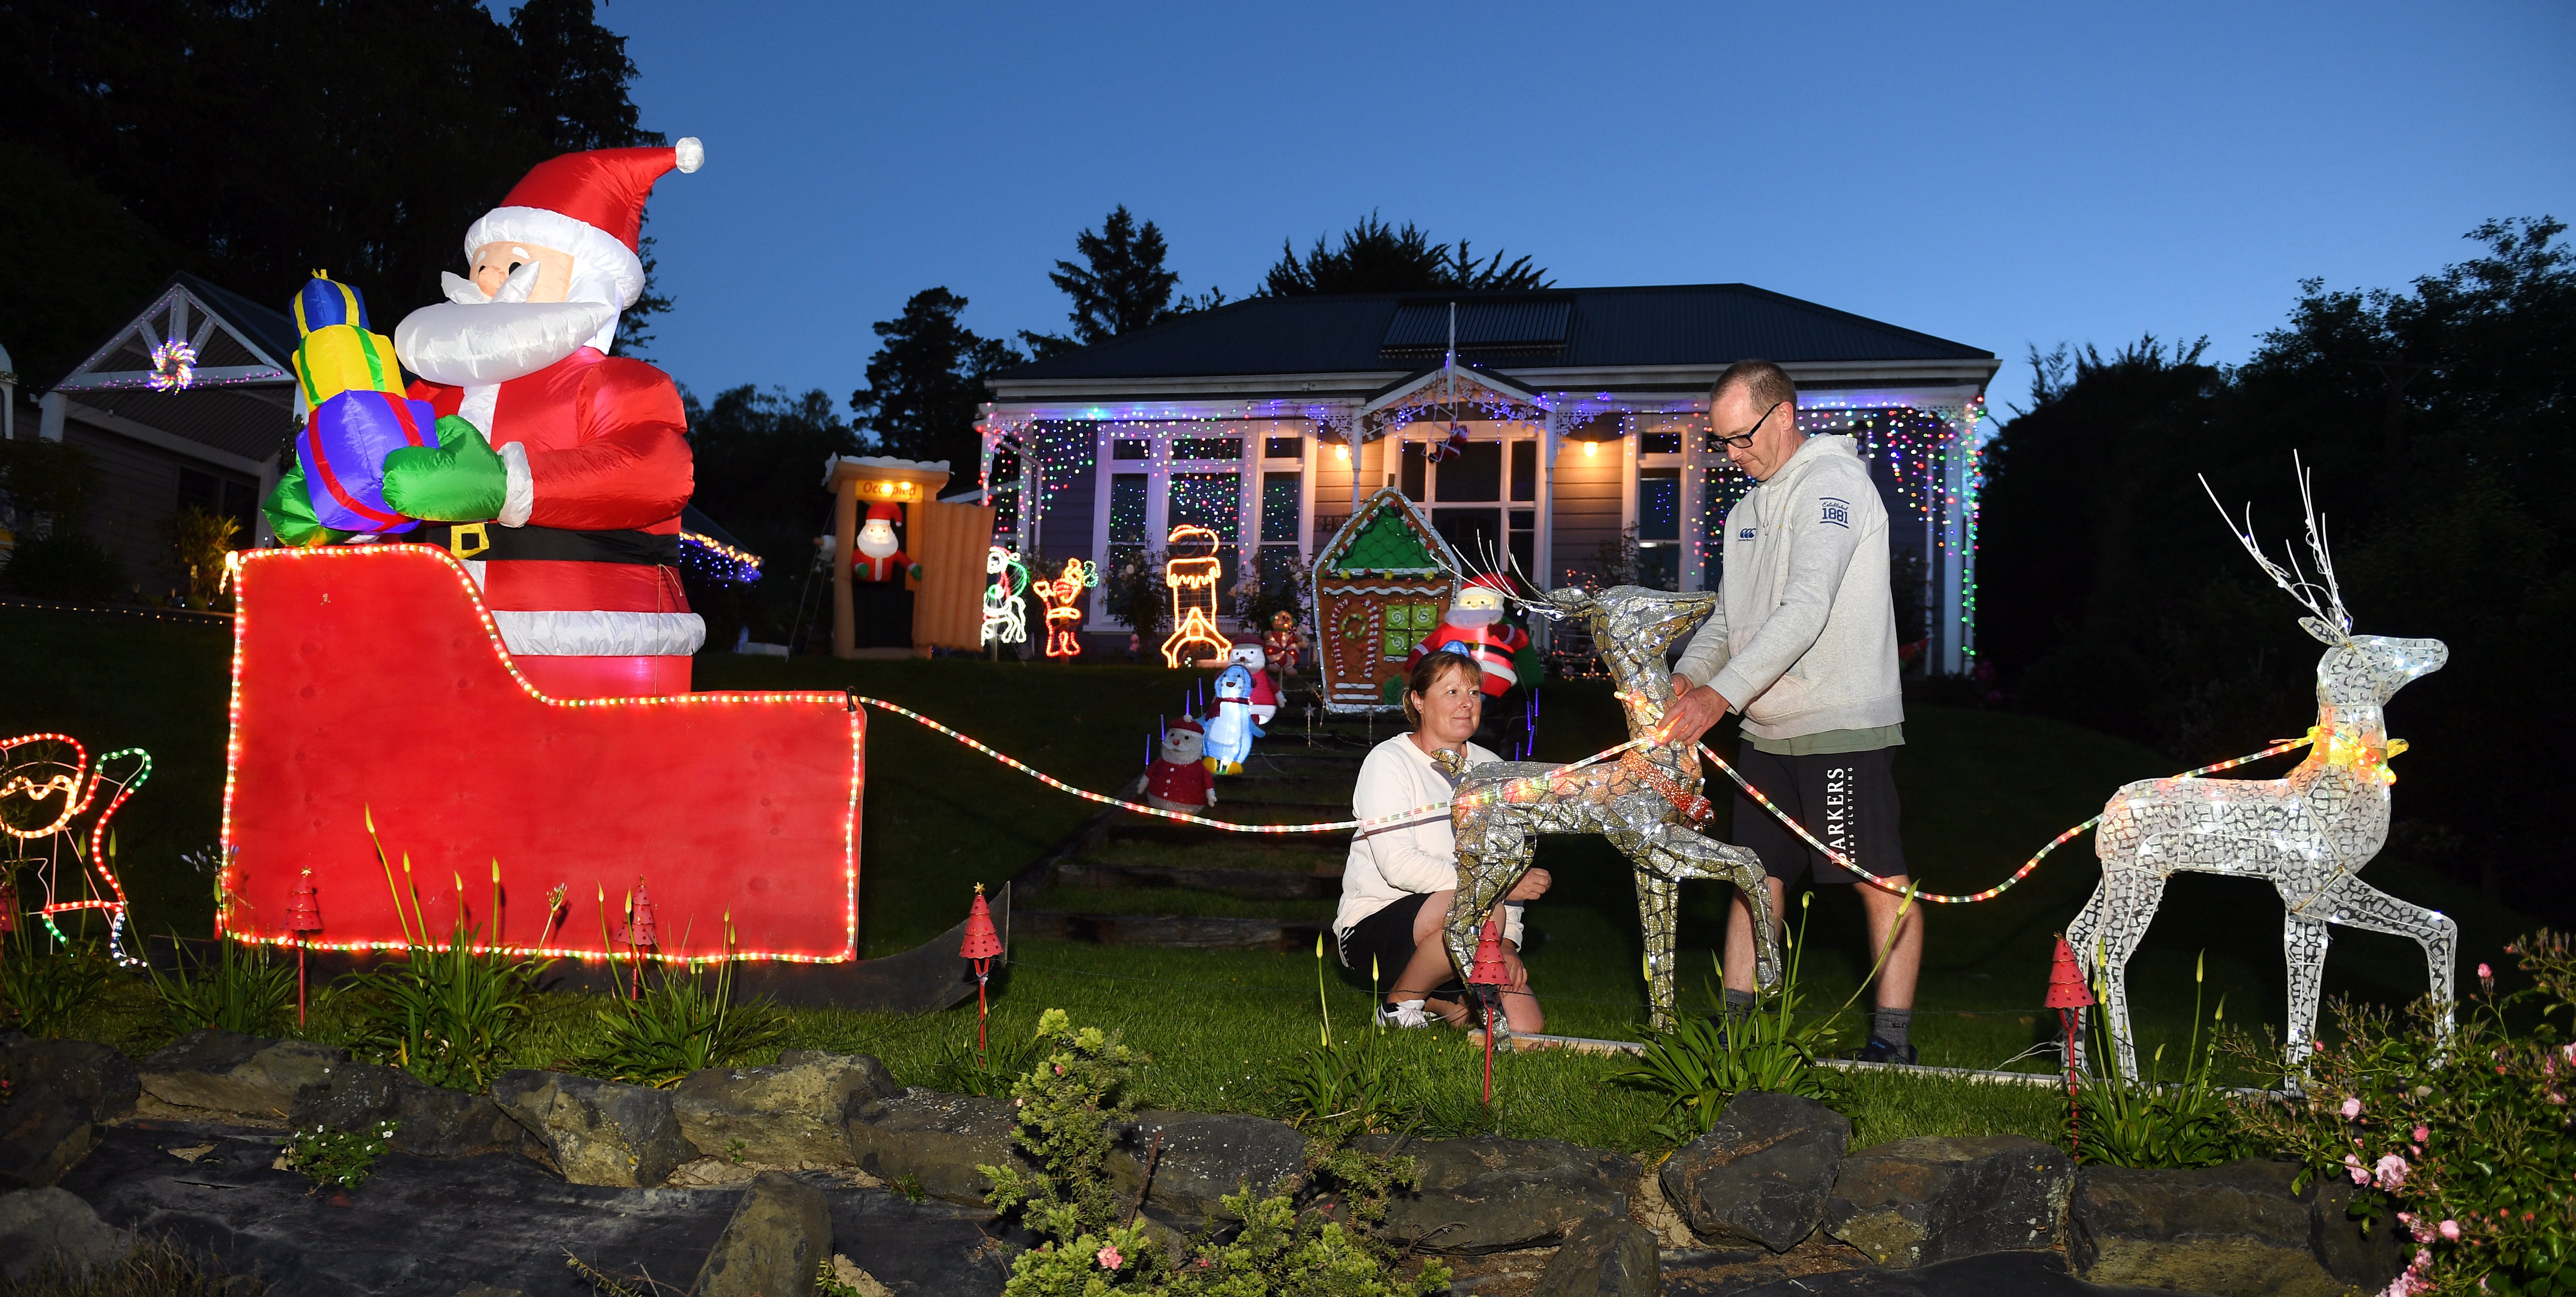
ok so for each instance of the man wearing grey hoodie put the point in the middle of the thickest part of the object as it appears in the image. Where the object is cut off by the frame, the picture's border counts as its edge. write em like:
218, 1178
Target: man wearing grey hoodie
1803, 645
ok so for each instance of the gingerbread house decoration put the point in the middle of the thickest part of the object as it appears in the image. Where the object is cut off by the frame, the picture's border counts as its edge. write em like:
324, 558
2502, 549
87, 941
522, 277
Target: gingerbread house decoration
1381, 586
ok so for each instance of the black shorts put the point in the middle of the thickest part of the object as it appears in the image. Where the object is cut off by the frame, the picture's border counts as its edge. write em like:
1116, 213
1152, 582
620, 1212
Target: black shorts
1387, 936
1847, 799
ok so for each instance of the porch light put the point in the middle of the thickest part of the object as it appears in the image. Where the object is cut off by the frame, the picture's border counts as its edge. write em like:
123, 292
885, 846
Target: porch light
1591, 449
1342, 453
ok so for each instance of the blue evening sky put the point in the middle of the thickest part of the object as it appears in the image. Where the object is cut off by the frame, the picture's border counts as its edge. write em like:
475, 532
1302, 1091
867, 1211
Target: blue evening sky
2003, 176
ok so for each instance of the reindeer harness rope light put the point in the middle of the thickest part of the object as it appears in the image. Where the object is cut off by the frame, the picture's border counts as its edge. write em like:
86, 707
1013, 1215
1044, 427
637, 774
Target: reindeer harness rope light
2308, 833
1647, 803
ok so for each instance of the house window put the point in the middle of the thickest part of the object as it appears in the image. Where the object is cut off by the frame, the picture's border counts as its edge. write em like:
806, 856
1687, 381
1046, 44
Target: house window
1283, 448
1127, 502
1659, 443
1468, 495
1131, 448
1229, 448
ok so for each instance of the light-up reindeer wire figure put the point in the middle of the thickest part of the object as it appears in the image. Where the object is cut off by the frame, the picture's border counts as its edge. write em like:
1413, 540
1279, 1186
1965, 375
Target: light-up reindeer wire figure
1647, 802
2308, 833
46, 783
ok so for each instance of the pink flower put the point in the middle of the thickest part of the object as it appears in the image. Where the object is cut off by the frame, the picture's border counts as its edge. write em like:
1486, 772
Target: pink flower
2485, 972
2422, 1134
2390, 1172
2352, 1167
2450, 1230
2351, 1109
1109, 1258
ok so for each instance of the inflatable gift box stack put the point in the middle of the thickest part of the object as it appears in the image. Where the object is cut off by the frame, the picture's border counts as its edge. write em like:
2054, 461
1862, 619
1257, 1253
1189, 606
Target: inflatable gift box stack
359, 412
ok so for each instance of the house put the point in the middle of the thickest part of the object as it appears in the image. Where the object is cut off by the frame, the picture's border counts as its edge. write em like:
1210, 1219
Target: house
187, 403
1570, 437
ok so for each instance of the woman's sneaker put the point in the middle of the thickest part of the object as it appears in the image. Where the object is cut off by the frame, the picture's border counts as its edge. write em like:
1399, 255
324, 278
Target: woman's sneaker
1403, 1013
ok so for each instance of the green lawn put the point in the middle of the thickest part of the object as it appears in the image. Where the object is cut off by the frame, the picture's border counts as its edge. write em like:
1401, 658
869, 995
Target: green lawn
1982, 790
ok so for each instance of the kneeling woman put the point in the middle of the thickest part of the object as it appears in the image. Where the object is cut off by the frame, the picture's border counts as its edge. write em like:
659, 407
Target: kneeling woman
1397, 886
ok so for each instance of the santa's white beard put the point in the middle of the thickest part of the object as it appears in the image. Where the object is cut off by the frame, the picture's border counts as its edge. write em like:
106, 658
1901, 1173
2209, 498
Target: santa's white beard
476, 344
1474, 616
876, 540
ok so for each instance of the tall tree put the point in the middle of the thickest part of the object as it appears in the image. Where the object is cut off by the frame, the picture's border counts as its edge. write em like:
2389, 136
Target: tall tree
1375, 257
261, 139
926, 381
757, 455
1122, 286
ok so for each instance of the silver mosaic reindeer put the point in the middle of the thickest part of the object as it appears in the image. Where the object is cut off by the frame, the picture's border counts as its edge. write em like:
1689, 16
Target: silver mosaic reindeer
1647, 802
2308, 833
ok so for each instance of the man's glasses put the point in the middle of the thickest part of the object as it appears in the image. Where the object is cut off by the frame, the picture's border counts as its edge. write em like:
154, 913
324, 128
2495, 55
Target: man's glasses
1744, 440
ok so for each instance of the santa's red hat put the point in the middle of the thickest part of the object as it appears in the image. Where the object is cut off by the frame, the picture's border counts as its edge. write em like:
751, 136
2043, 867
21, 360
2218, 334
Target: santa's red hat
1190, 723
883, 512
592, 206
1495, 581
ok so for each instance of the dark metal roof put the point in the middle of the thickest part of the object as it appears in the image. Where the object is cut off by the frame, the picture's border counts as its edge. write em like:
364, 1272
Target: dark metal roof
268, 326
1679, 324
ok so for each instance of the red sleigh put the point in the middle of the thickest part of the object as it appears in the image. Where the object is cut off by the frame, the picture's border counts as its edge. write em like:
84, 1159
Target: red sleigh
370, 681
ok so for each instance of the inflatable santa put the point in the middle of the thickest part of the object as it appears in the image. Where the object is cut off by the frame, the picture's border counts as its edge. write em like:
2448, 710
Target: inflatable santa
1475, 628
879, 555
560, 471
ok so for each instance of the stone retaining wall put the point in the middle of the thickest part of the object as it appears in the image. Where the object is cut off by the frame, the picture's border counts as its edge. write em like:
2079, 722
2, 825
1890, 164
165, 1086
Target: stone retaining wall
1775, 1177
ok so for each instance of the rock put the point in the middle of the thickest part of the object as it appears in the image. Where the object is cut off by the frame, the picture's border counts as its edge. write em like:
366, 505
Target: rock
85, 1070
598, 1132
1204, 1158
429, 1226
428, 1120
244, 1076
932, 1141
847, 1273
1761, 1174
2368, 1262
1488, 1194
487, 1290
1916, 1201
774, 1246
41, 1227
2230, 1230
1605, 1256
787, 1113
43, 1133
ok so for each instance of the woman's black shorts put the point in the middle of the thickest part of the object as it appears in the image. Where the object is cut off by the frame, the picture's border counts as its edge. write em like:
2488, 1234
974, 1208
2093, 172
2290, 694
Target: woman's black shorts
1847, 799
1387, 936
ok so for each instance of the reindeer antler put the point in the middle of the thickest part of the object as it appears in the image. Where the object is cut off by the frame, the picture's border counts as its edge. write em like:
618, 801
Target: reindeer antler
2292, 579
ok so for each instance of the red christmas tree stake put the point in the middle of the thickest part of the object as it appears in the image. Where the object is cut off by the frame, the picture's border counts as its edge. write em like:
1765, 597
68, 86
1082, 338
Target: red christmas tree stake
303, 918
640, 935
1489, 972
2068, 993
982, 943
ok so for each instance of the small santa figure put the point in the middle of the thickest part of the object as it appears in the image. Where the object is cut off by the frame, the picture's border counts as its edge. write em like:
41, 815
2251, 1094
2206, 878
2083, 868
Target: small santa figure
879, 556
1283, 644
560, 470
1475, 628
1177, 781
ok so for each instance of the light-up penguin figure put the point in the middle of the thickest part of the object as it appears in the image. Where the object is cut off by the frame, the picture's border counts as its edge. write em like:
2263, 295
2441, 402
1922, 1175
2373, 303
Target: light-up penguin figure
1231, 731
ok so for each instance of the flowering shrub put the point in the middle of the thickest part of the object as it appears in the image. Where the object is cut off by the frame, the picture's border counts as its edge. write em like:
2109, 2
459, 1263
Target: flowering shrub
1069, 1104
2471, 1140
339, 1158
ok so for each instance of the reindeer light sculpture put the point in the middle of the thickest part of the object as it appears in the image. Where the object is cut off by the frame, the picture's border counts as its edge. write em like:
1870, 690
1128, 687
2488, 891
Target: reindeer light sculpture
2308, 833
1647, 803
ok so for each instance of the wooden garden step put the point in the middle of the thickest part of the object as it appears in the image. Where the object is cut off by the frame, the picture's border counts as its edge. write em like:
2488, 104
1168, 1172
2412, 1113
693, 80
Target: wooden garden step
1174, 832
1183, 931
1272, 884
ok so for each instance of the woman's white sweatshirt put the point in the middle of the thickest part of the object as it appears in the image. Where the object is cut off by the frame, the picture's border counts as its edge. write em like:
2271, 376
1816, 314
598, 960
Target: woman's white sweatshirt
1414, 855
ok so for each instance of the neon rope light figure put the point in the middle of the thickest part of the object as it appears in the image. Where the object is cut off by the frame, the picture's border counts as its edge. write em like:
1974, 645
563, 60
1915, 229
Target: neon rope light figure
1193, 584
47, 782
1004, 620
2308, 833
1647, 803
1062, 596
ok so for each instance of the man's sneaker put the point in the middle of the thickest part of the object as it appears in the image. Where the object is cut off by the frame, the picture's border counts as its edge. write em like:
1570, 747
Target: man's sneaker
1403, 1013
1879, 1051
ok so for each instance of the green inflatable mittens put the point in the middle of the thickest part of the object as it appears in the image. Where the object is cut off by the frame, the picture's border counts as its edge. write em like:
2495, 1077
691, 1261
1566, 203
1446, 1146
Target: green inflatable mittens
460, 481
290, 512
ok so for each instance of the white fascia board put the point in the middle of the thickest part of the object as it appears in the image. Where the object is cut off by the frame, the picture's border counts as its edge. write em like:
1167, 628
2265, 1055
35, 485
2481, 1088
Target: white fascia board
1151, 395
129, 379
169, 441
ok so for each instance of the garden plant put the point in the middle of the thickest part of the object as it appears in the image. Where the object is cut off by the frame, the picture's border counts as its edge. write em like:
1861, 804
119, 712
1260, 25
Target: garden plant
2466, 1142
